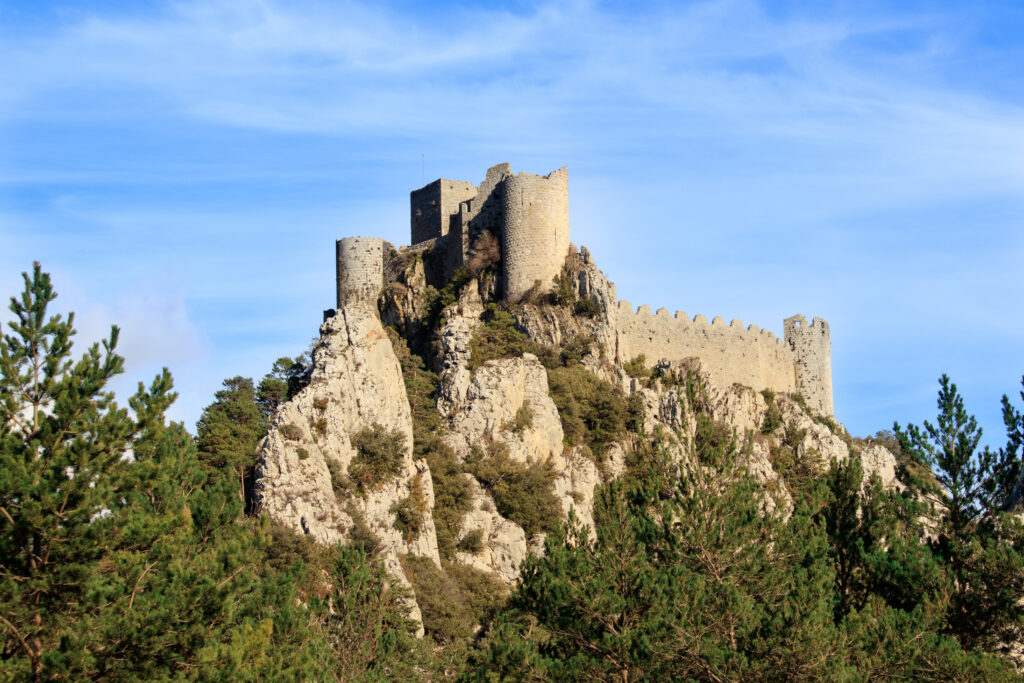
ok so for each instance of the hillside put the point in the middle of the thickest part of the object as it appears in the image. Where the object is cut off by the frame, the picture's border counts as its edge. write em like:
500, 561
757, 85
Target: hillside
453, 484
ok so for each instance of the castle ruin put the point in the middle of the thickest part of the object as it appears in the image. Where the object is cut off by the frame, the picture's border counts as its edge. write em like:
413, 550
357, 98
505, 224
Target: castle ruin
529, 217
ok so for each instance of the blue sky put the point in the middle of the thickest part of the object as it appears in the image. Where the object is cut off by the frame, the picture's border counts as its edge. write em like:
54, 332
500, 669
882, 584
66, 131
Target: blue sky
182, 169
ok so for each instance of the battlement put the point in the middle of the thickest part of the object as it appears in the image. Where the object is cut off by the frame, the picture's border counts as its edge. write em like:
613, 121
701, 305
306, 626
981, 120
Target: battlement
799, 362
529, 216
682, 321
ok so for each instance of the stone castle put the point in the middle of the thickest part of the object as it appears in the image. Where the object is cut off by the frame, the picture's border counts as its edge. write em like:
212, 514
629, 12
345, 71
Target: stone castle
529, 216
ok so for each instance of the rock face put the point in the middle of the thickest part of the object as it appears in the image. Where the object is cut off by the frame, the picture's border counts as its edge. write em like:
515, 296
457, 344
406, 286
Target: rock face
304, 476
356, 384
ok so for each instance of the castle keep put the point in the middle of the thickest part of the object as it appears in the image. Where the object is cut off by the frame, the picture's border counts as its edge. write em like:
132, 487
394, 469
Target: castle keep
528, 215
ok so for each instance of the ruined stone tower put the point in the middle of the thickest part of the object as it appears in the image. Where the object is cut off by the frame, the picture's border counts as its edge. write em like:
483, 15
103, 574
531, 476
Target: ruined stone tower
527, 213
529, 217
359, 269
812, 351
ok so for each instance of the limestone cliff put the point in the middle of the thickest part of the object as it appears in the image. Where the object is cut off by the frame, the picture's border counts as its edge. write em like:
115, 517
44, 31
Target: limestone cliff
494, 406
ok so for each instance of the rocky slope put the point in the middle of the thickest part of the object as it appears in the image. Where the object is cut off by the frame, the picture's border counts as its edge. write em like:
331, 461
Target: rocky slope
500, 408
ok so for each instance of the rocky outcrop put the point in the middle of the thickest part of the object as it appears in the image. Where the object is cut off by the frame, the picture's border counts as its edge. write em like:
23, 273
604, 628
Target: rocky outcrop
503, 543
302, 472
303, 477
506, 401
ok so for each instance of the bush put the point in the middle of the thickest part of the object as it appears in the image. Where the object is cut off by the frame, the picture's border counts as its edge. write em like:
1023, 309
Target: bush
340, 483
562, 292
524, 418
593, 412
452, 494
773, 417
411, 511
484, 255
318, 426
453, 600
576, 350
421, 389
587, 308
360, 535
472, 542
290, 431
380, 455
522, 493
435, 301
499, 338
637, 367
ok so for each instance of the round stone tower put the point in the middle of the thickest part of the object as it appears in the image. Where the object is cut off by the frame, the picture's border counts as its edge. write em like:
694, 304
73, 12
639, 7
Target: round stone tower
535, 239
359, 270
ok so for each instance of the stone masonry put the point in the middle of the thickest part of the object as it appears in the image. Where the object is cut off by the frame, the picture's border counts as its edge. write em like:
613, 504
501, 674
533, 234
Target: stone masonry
529, 215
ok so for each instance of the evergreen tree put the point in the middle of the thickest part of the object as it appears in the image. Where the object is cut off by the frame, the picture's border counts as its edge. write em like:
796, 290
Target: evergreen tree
701, 583
229, 431
63, 441
982, 547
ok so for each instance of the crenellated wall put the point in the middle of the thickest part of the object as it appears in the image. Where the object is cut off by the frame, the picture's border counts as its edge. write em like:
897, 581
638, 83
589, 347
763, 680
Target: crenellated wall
535, 240
812, 351
359, 269
751, 356
529, 214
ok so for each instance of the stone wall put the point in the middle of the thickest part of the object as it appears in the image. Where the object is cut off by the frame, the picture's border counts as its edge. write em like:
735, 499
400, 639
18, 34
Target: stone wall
535, 240
486, 209
434, 207
812, 351
751, 356
359, 269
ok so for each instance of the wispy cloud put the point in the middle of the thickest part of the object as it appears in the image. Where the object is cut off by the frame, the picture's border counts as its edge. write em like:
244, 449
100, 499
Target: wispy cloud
834, 155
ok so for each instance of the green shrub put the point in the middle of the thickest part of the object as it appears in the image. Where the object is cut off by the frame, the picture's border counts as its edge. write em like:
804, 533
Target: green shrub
453, 600
800, 401
318, 426
587, 308
472, 542
452, 494
521, 493
637, 367
380, 456
593, 412
499, 338
769, 396
635, 413
286, 549
410, 512
302, 453
421, 389
828, 422
340, 483
290, 431
435, 301
320, 403
524, 418
360, 535
772, 418
576, 350
562, 293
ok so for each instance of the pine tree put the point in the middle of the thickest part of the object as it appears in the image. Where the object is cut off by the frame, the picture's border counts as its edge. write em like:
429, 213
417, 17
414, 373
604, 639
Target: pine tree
63, 441
982, 546
229, 431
